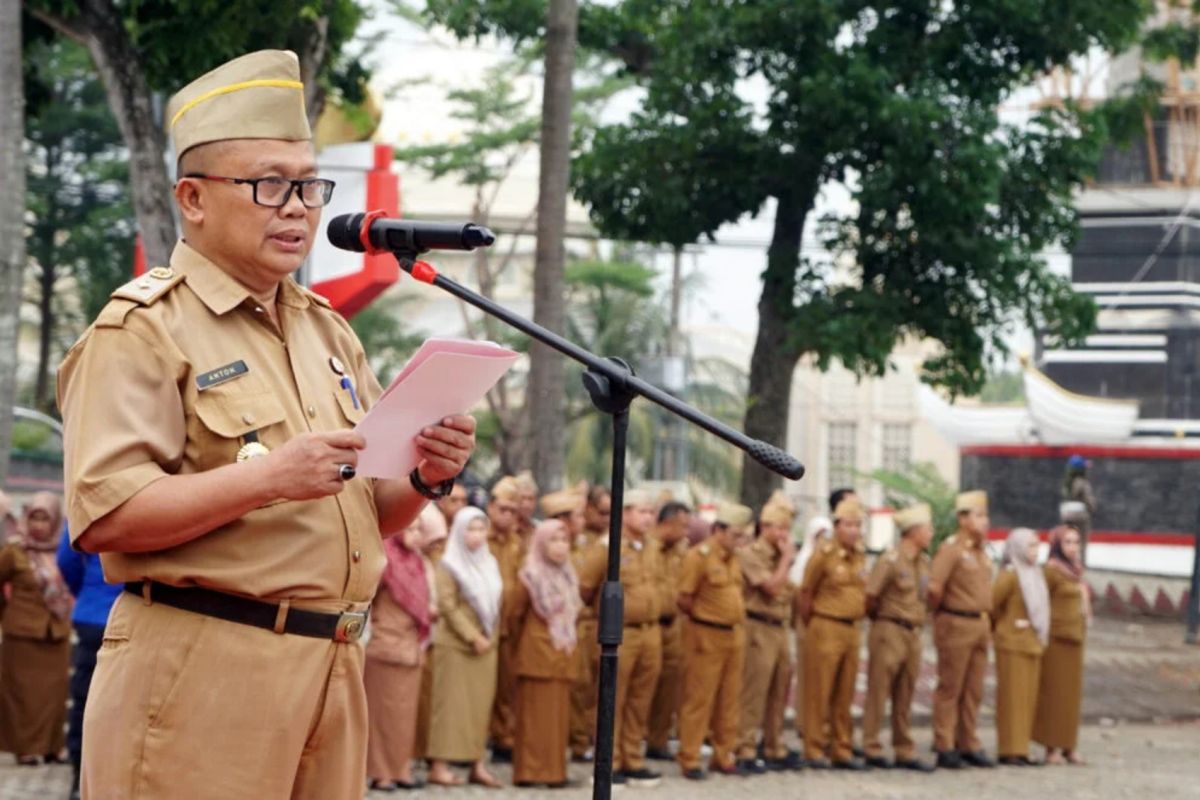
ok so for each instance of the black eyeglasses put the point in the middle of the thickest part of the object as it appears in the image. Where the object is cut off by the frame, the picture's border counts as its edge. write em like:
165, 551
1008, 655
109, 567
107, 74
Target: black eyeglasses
275, 192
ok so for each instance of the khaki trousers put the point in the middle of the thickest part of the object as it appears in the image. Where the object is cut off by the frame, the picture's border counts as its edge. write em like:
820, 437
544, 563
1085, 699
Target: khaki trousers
1016, 700
831, 669
584, 689
893, 665
962, 647
665, 708
503, 724
714, 660
798, 685
768, 672
638, 663
189, 707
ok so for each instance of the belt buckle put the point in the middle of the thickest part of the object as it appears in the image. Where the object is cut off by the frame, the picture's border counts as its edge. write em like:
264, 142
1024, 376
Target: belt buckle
350, 626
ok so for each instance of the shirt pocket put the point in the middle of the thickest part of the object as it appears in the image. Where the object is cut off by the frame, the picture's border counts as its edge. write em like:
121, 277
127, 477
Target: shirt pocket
226, 418
352, 413
717, 575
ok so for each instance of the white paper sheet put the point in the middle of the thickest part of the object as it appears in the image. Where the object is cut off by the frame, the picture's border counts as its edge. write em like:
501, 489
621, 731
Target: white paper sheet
444, 377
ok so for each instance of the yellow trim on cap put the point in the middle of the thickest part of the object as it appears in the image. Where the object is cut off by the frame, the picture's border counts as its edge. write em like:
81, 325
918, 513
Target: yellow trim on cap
235, 87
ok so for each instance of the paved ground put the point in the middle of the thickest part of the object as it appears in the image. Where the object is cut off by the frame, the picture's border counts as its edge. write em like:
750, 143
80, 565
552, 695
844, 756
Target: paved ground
1141, 706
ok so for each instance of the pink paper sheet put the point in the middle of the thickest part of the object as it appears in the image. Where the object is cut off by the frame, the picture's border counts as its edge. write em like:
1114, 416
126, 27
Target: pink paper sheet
444, 377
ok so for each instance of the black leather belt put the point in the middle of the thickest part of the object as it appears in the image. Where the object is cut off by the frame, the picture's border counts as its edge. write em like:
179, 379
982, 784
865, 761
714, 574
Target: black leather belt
766, 620
666, 621
903, 623
832, 618
347, 626
957, 613
719, 626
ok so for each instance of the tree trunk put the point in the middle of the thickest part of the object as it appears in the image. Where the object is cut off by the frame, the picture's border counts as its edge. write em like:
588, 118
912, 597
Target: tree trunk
12, 216
775, 353
546, 374
312, 59
100, 28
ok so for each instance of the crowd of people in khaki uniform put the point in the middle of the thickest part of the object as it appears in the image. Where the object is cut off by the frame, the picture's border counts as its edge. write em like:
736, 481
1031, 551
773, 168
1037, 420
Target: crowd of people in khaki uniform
210, 460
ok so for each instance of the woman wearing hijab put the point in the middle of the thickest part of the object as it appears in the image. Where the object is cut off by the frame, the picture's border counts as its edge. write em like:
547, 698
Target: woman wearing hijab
1021, 623
1060, 694
545, 606
464, 651
401, 617
433, 531
35, 656
818, 529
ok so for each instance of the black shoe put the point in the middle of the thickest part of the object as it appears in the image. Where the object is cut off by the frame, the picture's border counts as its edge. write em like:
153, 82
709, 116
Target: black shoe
643, 777
382, 786
1010, 761
857, 752
794, 760
752, 766
818, 763
501, 755
978, 759
853, 765
567, 784
659, 754
734, 769
618, 777
878, 762
409, 787
949, 759
696, 774
916, 765
582, 758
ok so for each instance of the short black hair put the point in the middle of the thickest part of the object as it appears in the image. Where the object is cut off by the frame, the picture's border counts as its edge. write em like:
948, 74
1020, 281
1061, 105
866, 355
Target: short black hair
671, 510
837, 495
596, 493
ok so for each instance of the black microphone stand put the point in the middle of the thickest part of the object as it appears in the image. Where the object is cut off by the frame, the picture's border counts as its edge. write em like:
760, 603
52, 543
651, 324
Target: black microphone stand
612, 386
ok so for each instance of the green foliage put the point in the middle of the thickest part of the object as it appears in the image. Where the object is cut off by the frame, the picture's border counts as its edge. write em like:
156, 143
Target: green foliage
30, 436
921, 483
1004, 387
1173, 40
387, 343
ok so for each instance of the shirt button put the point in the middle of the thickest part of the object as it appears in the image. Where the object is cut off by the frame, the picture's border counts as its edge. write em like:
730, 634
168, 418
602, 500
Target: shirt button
357, 556
312, 411
248, 418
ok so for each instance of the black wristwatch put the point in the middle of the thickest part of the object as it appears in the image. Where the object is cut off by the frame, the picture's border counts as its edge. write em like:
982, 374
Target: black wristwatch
437, 493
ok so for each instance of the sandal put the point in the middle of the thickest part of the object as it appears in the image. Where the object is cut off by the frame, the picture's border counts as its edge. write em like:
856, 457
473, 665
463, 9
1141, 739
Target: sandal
28, 761
453, 780
1076, 760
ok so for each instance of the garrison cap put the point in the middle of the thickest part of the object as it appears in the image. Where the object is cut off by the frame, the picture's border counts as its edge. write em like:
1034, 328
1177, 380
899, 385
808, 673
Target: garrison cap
971, 501
913, 516
255, 96
735, 516
561, 502
849, 510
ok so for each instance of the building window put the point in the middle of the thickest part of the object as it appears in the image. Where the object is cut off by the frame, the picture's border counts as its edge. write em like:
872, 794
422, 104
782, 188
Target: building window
842, 453
897, 446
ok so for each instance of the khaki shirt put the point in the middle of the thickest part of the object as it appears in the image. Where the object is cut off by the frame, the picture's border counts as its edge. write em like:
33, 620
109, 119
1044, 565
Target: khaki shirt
712, 575
134, 412
639, 575
26, 614
836, 579
962, 574
1012, 629
759, 561
899, 581
509, 550
1068, 620
580, 547
670, 569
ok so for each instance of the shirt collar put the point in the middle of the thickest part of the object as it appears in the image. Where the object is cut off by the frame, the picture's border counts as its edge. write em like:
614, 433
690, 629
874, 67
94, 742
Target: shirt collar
219, 290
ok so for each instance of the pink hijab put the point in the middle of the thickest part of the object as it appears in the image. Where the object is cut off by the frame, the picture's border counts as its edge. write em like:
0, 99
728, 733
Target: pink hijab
407, 581
553, 588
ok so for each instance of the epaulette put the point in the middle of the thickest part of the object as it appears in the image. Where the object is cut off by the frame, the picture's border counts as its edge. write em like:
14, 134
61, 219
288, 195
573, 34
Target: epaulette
951, 539
147, 289
704, 549
317, 298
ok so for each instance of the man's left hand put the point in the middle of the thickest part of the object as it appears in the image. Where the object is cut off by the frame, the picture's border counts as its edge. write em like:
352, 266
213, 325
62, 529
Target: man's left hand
445, 448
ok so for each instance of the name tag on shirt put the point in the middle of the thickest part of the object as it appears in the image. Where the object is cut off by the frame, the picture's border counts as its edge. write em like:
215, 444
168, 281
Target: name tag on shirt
220, 375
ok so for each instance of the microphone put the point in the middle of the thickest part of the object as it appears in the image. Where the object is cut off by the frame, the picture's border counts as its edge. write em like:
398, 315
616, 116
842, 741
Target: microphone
363, 232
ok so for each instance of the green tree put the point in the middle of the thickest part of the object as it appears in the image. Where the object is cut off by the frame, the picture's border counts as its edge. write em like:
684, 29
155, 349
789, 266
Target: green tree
81, 223
388, 344
140, 49
12, 211
921, 483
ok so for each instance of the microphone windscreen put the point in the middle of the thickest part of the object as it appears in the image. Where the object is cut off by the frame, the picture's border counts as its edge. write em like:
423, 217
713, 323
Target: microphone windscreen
344, 232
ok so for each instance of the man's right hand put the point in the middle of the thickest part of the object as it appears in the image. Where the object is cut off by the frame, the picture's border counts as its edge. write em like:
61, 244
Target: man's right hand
307, 466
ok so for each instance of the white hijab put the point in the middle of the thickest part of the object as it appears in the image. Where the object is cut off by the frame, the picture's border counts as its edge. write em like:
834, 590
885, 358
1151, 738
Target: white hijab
817, 528
1032, 579
475, 571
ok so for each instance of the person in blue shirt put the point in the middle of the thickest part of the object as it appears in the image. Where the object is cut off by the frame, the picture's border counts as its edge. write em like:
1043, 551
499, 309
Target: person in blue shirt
93, 600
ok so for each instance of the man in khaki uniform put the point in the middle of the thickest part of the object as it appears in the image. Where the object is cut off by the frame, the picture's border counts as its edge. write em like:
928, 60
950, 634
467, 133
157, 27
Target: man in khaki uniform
209, 460
584, 692
769, 599
506, 544
896, 605
714, 640
670, 536
832, 601
960, 595
640, 656
527, 503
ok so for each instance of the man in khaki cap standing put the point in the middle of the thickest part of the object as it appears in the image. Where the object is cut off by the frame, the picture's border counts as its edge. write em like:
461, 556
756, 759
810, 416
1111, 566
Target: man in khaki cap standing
640, 655
832, 601
769, 600
714, 645
960, 595
508, 547
670, 535
209, 460
896, 605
